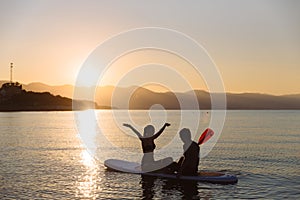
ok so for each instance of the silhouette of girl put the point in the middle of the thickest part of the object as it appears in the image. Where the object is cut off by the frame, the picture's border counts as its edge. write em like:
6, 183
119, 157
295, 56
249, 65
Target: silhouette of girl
148, 144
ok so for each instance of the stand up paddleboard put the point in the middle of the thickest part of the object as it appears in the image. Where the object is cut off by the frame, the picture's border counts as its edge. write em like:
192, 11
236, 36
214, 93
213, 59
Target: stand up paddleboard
135, 168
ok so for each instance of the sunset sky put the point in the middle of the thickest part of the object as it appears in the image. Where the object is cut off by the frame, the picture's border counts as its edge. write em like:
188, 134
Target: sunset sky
255, 44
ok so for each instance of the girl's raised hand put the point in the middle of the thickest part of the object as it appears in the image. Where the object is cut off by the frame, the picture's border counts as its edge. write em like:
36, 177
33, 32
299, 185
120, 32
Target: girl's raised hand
126, 125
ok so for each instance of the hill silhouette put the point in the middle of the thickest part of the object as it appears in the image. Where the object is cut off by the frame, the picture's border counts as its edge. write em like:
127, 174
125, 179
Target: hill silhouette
14, 98
135, 98
140, 98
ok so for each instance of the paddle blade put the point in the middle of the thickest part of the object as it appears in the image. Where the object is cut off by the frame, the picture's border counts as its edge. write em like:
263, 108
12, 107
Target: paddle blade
206, 135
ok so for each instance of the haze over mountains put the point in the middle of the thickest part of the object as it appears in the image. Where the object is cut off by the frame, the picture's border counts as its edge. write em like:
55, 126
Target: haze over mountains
140, 98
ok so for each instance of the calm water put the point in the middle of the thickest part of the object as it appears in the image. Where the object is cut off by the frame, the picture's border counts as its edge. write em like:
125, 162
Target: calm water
43, 157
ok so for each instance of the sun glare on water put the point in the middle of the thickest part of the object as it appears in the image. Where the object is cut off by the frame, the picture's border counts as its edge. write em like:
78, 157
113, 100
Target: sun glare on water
87, 181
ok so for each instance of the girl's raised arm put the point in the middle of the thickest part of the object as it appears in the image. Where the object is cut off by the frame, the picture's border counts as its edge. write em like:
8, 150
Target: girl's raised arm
156, 135
133, 129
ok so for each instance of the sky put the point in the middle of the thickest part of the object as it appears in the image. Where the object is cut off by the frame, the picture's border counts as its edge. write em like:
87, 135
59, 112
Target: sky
255, 45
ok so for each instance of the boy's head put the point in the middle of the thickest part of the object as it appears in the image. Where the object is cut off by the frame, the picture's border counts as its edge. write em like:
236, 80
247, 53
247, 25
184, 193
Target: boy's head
185, 135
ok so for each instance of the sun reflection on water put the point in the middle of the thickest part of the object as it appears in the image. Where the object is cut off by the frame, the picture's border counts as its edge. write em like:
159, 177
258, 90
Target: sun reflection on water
87, 129
87, 181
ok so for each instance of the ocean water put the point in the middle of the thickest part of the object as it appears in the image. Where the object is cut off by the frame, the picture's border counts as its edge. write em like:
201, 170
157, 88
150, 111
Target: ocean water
42, 156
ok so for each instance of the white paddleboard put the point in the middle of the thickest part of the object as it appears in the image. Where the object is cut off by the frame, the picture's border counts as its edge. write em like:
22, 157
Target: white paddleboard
135, 168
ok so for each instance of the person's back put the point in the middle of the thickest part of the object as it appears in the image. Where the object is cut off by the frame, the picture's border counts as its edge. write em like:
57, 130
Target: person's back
191, 159
189, 165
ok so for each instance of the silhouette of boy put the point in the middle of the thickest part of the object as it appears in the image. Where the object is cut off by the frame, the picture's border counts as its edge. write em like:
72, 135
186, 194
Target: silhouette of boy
188, 163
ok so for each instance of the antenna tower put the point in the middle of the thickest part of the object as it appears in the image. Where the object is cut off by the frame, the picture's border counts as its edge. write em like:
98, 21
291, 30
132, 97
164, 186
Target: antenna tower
11, 73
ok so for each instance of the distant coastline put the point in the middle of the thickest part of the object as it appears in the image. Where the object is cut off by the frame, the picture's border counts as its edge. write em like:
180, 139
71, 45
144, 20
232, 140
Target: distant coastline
43, 97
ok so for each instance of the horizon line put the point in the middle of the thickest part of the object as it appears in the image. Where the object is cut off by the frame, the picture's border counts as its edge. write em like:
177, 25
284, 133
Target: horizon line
195, 89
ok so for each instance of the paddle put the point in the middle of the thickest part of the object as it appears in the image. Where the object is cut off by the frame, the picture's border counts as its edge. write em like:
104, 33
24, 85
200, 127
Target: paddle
206, 135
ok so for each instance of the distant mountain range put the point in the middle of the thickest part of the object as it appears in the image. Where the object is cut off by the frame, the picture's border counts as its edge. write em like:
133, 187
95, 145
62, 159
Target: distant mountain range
140, 98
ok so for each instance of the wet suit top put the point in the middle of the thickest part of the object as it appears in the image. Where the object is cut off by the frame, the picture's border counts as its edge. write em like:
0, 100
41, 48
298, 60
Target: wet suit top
148, 142
191, 159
